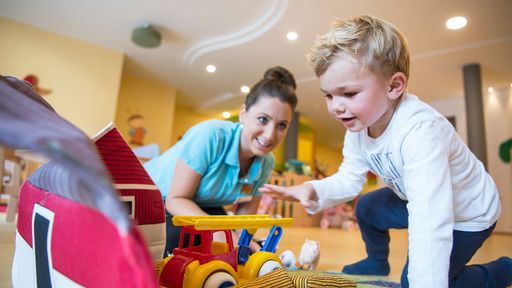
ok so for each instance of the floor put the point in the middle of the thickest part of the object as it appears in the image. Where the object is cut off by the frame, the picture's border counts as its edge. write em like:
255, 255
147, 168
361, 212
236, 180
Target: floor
7, 233
338, 247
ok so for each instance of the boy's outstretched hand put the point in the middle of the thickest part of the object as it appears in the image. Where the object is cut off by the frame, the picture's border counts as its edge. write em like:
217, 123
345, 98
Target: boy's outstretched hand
305, 193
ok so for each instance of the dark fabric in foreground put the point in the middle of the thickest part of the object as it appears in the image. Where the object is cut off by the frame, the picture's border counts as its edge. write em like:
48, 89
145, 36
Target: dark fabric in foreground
77, 172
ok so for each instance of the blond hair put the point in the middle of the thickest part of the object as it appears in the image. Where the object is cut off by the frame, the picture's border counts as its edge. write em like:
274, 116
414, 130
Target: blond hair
378, 44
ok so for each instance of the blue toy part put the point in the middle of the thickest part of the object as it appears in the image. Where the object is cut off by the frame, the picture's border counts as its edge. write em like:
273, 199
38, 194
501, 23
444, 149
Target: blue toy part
272, 239
243, 247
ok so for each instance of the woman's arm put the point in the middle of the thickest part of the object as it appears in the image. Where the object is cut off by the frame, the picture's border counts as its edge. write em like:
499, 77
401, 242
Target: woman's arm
183, 188
248, 208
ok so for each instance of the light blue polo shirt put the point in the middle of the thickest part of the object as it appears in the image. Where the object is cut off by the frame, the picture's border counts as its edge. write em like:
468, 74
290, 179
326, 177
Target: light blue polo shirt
211, 150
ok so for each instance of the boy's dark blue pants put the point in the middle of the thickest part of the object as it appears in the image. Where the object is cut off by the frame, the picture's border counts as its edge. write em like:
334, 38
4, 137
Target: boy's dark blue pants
381, 210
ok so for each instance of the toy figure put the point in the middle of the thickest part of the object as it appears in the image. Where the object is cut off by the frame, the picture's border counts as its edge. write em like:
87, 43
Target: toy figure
288, 259
137, 130
34, 81
309, 254
341, 216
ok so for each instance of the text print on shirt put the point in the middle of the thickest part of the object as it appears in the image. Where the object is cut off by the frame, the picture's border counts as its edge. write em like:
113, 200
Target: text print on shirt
382, 164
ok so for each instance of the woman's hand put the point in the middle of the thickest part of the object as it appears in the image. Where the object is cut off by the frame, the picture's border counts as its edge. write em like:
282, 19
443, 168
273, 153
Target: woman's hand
304, 193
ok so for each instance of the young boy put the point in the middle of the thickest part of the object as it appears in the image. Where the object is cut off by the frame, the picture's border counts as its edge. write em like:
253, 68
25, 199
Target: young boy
435, 186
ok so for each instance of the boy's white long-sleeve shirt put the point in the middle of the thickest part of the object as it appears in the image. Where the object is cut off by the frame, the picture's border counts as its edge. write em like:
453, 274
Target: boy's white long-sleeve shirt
421, 157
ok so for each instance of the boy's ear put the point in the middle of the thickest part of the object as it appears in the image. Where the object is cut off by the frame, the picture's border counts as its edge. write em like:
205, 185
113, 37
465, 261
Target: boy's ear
397, 85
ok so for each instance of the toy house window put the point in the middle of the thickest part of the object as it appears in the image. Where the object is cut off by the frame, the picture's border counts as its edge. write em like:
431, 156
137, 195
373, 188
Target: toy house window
129, 204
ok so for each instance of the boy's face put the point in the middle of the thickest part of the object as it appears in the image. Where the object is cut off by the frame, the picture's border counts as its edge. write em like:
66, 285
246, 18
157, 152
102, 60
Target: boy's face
356, 97
265, 125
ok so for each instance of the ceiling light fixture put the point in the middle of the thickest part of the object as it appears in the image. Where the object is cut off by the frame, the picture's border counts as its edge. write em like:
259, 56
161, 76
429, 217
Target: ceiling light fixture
455, 23
490, 90
292, 36
245, 89
211, 68
146, 36
226, 114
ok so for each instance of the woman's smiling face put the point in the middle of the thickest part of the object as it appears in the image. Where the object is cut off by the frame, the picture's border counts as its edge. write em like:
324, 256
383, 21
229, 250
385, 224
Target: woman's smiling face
264, 126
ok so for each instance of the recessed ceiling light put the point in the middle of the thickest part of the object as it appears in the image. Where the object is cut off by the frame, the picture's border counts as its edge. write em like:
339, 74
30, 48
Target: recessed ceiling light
211, 68
455, 23
226, 114
245, 89
292, 36
490, 90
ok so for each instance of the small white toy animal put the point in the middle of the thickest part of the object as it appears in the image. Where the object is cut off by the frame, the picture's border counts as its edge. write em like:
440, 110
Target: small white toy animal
288, 259
309, 254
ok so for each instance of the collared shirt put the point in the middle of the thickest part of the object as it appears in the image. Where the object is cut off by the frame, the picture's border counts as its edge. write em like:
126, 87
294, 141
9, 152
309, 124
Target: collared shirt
211, 150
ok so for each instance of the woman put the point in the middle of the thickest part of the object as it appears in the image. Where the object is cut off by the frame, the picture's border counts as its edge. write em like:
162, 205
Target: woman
219, 163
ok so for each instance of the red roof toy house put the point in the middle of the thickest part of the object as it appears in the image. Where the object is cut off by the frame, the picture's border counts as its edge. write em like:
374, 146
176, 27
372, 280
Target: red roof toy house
137, 191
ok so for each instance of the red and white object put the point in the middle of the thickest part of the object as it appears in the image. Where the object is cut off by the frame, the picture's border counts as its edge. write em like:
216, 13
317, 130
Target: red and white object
136, 189
63, 243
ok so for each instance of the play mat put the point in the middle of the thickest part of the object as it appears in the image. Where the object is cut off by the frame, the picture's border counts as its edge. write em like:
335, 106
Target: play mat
310, 279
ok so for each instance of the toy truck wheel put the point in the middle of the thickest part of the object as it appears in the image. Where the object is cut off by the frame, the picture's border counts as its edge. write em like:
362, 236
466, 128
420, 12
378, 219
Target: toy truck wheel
219, 279
214, 274
261, 263
268, 267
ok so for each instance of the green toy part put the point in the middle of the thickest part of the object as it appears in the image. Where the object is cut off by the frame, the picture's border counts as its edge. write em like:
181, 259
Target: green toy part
504, 150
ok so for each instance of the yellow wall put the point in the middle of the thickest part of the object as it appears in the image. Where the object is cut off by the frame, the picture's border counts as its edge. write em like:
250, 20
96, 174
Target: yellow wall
306, 144
279, 156
184, 118
155, 102
306, 148
84, 77
328, 158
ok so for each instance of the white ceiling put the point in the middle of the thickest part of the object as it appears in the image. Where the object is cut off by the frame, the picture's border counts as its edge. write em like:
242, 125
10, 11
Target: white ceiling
245, 37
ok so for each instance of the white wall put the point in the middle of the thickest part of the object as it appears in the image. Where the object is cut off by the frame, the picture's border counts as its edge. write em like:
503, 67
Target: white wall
498, 126
454, 107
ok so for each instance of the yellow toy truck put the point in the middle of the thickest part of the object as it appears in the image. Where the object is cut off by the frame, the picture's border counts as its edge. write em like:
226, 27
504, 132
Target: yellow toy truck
199, 261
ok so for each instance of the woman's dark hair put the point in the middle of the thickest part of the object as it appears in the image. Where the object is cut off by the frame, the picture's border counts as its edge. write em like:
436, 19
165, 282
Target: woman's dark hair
277, 83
